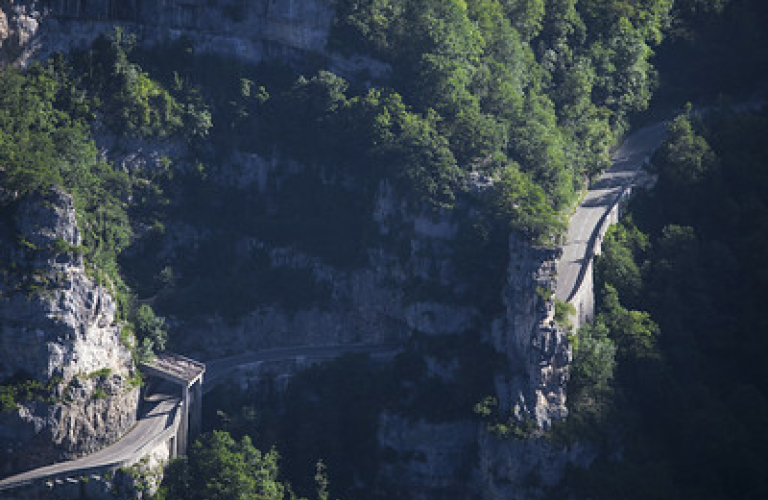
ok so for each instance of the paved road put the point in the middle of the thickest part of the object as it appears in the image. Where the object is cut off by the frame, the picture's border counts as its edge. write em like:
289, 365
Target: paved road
216, 369
162, 407
587, 219
132, 446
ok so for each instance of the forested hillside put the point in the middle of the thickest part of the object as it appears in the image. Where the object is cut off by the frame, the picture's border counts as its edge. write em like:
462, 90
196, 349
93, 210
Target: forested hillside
193, 174
512, 91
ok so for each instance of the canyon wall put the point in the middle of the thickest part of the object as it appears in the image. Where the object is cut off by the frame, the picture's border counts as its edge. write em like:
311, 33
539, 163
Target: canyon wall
70, 332
292, 31
57, 328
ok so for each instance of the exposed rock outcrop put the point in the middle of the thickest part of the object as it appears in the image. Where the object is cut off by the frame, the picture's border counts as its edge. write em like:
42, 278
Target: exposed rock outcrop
514, 469
367, 304
57, 328
462, 459
289, 30
19, 23
428, 460
537, 349
371, 303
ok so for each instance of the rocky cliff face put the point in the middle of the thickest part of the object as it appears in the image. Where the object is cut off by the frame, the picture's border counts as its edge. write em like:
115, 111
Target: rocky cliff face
247, 29
427, 460
368, 304
67, 331
462, 459
514, 469
537, 348
57, 328
18, 26
374, 303
289, 30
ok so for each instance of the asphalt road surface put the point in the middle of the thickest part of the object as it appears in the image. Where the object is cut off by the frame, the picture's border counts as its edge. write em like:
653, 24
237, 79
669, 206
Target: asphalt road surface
156, 419
627, 160
216, 369
161, 408
586, 221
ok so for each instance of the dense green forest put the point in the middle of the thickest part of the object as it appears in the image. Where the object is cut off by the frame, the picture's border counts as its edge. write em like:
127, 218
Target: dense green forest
681, 384
530, 93
531, 96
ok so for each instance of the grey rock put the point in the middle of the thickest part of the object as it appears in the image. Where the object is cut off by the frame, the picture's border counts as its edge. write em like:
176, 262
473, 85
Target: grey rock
514, 469
289, 30
537, 349
428, 460
19, 23
67, 330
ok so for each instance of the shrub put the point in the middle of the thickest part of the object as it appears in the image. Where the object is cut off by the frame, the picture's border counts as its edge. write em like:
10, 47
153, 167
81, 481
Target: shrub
564, 312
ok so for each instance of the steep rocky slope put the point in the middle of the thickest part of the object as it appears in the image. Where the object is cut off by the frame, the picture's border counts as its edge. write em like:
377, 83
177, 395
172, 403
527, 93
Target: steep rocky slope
536, 347
292, 31
57, 327
251, 29
406, 283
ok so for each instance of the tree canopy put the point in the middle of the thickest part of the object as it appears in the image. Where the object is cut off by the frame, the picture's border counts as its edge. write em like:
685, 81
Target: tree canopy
220, 468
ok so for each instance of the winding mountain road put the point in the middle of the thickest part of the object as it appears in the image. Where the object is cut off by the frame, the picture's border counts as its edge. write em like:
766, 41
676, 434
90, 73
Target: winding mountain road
578, 249
156, 419
587, 220
160, 408
219, 368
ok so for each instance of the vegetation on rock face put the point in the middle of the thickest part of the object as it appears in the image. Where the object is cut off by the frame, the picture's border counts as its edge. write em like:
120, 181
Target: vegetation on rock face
546, 85
45, 142
151, 329
503, 108
564, 312
128, 100
21, 389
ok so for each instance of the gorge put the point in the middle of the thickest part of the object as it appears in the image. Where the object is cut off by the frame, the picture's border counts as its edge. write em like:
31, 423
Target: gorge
228, 179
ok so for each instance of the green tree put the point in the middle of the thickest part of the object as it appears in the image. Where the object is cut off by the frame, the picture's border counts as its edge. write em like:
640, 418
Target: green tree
624, 246
517, 201
365, 24
527, 16
634, 332
131, 101
151, 327
220, 468
592, 371
685, 158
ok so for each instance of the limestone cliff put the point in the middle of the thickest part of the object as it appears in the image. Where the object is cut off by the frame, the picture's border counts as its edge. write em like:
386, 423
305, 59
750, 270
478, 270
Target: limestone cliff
462, 459
370, 303
427, 460
407, 283
57, 328
537, 349
375, 302
18, 26
289, 30
515, 469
